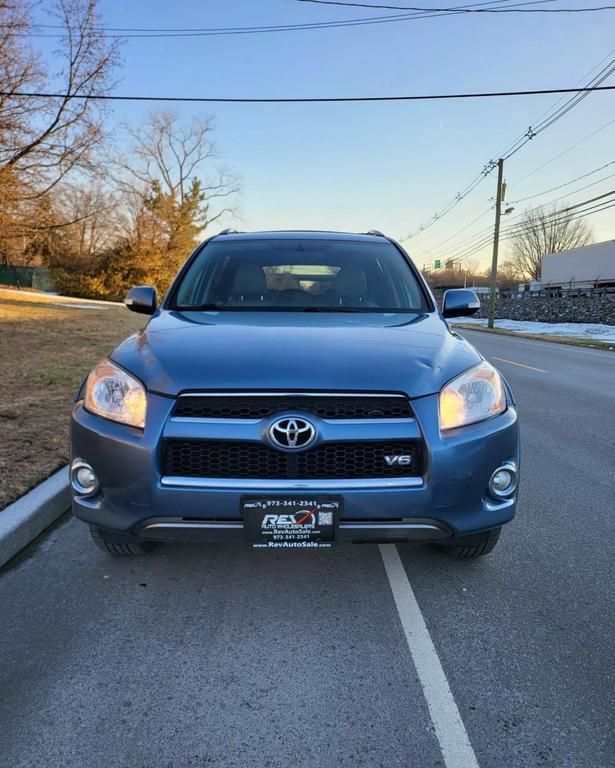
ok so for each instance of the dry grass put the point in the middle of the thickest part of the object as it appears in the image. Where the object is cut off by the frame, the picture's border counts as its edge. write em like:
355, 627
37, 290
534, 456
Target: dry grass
45, 352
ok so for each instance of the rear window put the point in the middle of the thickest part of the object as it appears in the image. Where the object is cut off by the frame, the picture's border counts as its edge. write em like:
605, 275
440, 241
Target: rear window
299, 275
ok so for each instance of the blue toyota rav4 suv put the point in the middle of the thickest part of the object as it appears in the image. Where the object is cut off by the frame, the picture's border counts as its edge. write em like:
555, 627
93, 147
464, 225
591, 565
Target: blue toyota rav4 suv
293, 390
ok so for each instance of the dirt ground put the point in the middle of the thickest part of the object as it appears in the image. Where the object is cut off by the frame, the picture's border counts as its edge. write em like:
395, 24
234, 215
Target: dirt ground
45, 352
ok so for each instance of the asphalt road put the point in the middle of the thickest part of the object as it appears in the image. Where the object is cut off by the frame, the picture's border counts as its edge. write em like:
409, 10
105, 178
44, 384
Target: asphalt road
206, 656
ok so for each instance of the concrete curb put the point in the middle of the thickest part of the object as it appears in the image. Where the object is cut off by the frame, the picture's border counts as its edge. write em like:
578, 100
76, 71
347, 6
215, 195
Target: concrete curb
22, 521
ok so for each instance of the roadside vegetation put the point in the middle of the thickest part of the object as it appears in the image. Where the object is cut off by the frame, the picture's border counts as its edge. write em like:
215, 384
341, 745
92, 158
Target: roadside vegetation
105, 206
46, 351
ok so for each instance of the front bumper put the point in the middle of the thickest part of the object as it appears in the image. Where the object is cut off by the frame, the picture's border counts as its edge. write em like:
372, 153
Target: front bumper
448, 501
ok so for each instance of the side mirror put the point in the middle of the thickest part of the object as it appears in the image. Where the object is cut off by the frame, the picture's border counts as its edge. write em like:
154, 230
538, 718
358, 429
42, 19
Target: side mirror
141, 299
458, 302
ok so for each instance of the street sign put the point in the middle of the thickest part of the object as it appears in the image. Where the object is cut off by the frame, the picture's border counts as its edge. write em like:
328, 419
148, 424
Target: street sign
437, 264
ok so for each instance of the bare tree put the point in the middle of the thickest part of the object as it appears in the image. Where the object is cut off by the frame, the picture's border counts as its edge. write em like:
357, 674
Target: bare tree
90, 219
42, 139
73, 227
508, 274
171, 191
168, 154
542, 231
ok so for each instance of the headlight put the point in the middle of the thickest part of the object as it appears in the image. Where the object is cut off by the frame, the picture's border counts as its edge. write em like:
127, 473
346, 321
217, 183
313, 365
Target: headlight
473, 396
116, 395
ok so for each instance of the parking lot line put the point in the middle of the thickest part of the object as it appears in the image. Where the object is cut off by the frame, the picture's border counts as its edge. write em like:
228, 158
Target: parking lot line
521, 365
450, 730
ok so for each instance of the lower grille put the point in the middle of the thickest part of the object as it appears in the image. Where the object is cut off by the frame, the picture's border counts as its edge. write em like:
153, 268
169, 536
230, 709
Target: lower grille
247, 460
255, 406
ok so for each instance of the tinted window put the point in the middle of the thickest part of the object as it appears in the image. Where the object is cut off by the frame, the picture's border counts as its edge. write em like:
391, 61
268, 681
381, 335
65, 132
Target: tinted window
295, 274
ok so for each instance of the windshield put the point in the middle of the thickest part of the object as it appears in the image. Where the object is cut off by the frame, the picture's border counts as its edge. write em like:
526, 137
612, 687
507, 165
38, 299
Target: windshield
300, 275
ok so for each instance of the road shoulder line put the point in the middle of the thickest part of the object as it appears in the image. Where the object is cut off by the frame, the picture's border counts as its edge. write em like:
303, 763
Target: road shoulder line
521, 365
450, 730
23, 520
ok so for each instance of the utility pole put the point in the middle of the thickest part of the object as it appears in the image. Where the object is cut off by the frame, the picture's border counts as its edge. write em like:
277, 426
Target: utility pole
496, 243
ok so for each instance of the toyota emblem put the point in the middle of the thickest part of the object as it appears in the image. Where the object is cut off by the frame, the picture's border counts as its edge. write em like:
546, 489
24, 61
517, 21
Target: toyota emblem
292, 433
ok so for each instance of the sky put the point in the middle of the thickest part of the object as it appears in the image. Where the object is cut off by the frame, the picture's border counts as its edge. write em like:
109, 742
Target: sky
387, 166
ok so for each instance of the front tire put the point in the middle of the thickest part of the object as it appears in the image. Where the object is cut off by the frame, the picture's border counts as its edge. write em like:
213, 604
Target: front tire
119, 548
474, 546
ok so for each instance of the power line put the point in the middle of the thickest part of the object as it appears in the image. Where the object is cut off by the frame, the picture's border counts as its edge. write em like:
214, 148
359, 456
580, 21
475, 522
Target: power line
578, 82
459, 231
555, 217
565, 184
462, 9
563, 214
229, 31
471, 239
135, 33
466, 241
556, 115
487, 169
182, 30
546, 217
581, 189
564, 152
545, 122
489, 240
482, 239
471, 250
311, 100
598, 208
128, 32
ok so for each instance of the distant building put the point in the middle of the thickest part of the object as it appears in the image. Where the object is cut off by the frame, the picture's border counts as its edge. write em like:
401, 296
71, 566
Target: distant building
591, 266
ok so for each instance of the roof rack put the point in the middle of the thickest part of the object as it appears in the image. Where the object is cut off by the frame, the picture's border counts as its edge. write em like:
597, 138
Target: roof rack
229, 232
375, 233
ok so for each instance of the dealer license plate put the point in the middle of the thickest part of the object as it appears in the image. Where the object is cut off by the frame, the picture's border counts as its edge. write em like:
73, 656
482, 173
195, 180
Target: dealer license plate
295, 522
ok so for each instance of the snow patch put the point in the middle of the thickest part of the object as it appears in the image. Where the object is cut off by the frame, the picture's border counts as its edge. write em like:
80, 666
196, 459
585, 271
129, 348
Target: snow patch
591, 331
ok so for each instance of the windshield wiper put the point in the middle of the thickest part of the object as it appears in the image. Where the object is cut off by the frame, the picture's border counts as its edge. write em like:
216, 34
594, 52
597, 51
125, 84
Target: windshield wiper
376, 310
282, 308
327, 309
261, 308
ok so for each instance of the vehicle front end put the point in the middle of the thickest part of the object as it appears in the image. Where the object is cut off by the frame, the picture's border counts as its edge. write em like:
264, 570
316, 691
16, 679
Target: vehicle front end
186, 474
289, 418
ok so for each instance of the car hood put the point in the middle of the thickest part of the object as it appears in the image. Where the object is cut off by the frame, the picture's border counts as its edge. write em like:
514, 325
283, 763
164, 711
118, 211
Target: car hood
411, 353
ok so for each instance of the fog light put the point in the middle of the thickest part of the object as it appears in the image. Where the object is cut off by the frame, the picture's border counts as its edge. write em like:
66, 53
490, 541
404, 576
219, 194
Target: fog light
503, 481
83, 478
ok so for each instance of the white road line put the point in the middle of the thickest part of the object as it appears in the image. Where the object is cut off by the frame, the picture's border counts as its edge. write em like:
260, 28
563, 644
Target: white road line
521, 365
450, 730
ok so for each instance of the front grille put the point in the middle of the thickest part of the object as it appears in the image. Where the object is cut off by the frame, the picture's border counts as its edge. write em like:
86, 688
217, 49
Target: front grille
325, 406
247, 460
